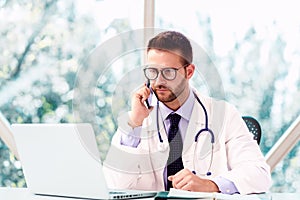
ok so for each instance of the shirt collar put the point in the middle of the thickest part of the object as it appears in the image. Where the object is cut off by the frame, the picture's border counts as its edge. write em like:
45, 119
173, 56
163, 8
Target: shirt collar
185, 111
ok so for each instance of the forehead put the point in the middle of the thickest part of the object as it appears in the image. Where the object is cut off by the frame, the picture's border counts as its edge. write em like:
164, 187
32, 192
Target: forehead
165, 58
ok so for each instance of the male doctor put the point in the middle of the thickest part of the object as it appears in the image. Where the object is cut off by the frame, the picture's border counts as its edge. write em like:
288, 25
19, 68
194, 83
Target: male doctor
187, 140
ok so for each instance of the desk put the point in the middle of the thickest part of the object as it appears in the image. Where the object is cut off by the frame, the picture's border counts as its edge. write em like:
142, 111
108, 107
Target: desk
24, 194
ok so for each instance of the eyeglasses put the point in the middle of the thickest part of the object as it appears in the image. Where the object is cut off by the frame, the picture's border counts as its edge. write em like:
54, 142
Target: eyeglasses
168, 73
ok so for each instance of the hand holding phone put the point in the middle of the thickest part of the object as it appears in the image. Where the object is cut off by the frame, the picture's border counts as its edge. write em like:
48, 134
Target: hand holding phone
140, 106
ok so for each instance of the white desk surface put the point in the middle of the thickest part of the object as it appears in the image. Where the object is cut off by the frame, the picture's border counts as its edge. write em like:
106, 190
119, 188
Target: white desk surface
24, 194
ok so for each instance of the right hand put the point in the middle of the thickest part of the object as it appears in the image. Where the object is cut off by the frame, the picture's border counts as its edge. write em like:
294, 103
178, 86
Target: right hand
138, 109
186, 180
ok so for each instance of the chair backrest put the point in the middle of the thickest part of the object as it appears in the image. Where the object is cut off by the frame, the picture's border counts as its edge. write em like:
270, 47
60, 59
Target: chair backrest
254, 127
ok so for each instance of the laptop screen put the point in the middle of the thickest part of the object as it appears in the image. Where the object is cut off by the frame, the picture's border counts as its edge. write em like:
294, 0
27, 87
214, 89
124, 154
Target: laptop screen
63, 160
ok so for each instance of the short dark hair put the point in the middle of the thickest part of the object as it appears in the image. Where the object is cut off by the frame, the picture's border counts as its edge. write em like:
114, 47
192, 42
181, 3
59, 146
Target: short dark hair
173, 42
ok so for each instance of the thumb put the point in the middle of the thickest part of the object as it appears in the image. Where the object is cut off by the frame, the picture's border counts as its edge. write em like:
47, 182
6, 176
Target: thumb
170, 178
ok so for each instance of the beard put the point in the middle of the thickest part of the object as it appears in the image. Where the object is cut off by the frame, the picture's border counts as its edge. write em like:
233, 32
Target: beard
171, 94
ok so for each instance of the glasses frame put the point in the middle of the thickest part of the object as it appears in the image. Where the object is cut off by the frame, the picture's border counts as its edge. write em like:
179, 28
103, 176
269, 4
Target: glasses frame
161, 71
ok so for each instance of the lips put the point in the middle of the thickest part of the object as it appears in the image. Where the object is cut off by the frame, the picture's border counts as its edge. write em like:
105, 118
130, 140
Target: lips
161, 89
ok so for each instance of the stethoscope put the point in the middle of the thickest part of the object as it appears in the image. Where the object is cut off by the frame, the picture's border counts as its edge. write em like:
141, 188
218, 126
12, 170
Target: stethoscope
163, 147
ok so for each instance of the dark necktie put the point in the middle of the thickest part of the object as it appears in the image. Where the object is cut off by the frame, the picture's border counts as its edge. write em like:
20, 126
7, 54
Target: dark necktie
175, 141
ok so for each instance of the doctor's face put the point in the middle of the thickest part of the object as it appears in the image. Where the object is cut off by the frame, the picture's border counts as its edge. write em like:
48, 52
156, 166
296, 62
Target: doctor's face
168, 74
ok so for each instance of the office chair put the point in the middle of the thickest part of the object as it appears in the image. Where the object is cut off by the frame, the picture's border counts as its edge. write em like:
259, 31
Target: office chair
254, 127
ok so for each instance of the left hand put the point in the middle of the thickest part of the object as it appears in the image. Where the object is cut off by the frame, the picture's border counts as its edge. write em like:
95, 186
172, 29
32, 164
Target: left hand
186, 180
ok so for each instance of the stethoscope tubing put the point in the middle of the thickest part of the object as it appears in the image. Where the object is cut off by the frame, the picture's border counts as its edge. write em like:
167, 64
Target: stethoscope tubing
196, 136
199, 132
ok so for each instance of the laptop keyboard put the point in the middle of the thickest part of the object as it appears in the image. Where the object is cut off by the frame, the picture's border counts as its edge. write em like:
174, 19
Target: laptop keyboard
118, 192
124, 195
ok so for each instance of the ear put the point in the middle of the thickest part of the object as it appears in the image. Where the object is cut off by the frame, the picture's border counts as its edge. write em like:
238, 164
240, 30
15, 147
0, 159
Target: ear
190, 69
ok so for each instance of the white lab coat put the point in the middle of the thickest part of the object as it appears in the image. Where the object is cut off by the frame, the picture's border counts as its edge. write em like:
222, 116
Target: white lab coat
236, 156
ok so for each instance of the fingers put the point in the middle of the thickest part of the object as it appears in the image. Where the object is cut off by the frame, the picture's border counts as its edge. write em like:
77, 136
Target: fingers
139, 111
187, 180
141, 95
170, 178
181, 179
144, 94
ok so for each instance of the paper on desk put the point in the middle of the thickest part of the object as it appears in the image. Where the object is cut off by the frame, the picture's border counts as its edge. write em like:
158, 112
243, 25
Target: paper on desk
175, 193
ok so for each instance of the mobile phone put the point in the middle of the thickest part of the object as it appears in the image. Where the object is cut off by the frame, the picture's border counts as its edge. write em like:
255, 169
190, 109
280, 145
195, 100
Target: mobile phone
147, 100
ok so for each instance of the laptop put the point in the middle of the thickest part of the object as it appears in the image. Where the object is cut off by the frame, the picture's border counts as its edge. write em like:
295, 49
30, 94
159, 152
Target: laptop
63, 160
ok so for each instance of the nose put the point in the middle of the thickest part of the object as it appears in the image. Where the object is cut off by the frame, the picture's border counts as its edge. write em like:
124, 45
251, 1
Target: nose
160, 80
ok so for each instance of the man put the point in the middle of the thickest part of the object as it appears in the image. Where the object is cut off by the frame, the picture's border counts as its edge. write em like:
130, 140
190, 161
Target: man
211, 149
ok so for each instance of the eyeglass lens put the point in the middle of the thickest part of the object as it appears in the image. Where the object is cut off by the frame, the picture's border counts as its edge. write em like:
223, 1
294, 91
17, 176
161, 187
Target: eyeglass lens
167, 73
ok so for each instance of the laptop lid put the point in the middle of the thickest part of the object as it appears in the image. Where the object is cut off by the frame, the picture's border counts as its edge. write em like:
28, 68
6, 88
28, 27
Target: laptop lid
63, 160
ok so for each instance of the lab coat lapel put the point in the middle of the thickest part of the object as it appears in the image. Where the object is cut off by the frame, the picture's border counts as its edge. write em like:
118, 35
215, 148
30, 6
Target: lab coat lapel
151, 123
159, 154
